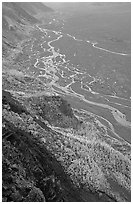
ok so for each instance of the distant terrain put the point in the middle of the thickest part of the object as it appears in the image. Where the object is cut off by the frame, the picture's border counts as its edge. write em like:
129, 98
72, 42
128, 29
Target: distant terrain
66, 102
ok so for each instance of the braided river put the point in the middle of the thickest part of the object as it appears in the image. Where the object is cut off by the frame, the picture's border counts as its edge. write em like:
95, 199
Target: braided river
85, 74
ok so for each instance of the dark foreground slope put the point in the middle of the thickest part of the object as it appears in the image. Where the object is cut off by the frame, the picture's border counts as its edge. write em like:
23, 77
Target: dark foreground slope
49, 154
30, 171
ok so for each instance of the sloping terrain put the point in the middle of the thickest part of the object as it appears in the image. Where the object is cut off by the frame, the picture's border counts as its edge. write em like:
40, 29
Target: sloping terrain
15, 25
16, 21
35, 8
10, 8
50, 152
46, 125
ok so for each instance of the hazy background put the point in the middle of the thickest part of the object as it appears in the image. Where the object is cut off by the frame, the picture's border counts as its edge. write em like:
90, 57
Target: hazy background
106, 17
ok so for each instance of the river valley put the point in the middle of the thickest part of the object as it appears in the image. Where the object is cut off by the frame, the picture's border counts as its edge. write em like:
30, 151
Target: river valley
55, 58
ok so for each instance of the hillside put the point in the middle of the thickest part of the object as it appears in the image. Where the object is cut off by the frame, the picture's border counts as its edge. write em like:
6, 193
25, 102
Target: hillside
35, 8
51, 152
17, 19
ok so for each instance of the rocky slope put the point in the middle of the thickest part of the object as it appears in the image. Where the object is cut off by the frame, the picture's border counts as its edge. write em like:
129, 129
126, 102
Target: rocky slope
49, 152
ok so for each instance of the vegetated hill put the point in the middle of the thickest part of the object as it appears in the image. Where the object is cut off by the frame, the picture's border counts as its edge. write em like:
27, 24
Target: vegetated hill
49, 154
30, 171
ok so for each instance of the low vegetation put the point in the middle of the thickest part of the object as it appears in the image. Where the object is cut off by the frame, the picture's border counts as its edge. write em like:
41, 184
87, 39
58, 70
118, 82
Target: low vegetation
91, 161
